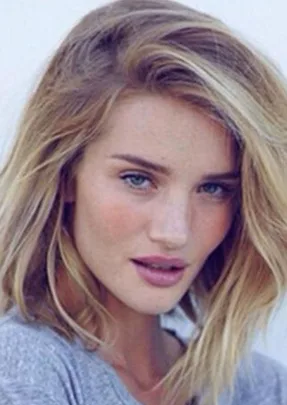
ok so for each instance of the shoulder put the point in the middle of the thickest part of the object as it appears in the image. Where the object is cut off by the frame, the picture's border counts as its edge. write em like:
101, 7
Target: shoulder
40, 367
35, 362
260, 380
20, 340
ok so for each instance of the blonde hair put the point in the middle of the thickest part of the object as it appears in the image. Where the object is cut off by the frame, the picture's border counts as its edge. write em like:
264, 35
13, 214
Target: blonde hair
160, 47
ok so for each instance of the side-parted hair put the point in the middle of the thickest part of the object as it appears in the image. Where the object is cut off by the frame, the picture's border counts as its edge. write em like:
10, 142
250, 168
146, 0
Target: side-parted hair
164, 48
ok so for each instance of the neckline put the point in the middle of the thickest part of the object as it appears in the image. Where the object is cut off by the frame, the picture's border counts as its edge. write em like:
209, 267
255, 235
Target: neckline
119, 386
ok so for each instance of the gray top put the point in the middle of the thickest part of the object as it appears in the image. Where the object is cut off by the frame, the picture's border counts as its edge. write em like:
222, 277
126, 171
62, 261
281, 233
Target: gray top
39, 367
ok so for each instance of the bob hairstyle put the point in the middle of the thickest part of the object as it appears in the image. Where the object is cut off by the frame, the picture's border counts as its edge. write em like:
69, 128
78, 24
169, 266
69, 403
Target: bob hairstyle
156, 47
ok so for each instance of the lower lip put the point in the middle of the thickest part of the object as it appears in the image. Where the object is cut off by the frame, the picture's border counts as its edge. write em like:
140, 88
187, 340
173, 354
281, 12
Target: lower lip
159, 278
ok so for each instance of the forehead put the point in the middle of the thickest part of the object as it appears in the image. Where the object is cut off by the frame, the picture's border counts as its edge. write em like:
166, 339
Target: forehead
167, 130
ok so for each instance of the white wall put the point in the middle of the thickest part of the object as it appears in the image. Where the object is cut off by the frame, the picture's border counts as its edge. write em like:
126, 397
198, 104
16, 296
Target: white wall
31, 29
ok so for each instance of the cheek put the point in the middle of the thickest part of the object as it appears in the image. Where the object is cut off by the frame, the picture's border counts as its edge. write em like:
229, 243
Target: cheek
215, 226
219, 228
110, 220
119, 220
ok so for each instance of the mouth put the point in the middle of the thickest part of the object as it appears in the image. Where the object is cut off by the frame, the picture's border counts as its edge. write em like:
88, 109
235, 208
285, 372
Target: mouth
160, 272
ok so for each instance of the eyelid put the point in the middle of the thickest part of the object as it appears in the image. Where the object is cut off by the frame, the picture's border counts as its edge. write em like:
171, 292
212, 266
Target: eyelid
227, 188
221, 183
136, 172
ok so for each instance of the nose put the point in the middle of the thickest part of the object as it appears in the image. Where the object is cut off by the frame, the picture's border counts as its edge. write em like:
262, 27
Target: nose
170, 223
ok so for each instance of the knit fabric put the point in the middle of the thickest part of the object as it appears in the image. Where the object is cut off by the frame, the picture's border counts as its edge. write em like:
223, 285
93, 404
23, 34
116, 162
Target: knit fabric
40, 367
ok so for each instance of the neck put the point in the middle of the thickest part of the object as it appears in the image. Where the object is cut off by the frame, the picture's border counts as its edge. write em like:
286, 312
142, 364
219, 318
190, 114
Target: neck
142, 350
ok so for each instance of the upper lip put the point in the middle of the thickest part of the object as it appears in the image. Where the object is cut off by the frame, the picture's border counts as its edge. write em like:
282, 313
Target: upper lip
162, 261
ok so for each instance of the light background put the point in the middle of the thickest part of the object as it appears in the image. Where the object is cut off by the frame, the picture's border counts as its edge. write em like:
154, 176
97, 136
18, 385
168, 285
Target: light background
31, 29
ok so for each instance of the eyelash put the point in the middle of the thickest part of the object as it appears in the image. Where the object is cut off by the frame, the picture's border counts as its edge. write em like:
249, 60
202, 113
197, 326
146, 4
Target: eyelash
225, 190
127, 178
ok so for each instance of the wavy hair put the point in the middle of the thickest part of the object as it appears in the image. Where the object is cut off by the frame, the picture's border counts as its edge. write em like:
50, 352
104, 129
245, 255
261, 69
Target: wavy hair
159, 47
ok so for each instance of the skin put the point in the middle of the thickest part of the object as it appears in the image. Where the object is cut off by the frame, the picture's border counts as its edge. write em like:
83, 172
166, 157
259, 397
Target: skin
124, 211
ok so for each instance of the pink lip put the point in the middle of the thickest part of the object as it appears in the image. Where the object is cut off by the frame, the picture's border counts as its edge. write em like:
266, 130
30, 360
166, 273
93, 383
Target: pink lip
162, 261
160, 277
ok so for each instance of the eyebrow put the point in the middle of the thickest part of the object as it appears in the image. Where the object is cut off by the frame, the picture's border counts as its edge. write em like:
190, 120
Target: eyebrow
146, 164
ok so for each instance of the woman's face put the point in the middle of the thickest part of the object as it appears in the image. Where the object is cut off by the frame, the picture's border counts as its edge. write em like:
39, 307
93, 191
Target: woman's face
153, 199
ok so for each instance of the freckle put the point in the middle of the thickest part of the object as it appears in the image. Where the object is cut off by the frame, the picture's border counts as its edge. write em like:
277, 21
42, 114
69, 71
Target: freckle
118, 219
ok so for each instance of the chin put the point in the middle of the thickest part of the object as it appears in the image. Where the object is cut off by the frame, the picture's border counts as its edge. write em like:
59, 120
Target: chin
158, 307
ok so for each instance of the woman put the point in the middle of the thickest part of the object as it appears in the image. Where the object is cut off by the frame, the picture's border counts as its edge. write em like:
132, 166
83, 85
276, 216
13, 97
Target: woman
148, 175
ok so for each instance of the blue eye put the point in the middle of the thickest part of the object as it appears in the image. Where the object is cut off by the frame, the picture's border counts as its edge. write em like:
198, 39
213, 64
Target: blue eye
137, 181
215, 190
